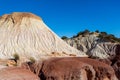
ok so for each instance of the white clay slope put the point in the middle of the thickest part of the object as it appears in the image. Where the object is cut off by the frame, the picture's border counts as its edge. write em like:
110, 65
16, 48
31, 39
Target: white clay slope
93, 46
26, 35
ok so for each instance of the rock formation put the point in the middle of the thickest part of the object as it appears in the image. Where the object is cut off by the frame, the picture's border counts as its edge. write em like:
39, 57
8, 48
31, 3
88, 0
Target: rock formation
114, 61
97, 48
25, 38
73, 68
16, 73
66, 68
92, 46
26, 35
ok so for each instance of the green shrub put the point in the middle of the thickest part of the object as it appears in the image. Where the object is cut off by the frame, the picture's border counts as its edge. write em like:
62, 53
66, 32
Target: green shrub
16, 57
103, 34
79, 33
97, 31
108, 37
64, 37
32, 60
83, 33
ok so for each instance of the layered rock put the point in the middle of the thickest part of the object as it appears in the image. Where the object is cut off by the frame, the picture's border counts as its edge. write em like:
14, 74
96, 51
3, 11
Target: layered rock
96, 48
67, 68
26, 34
114, 61
73, 68
103, 50
82, 43
92, 46
25, 37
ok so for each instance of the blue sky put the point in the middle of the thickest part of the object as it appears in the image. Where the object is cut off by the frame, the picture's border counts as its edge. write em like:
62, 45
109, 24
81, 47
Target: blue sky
68, 17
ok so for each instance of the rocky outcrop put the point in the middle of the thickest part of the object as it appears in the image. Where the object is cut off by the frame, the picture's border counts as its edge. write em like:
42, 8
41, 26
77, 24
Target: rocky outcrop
114, 61
82, 43
73, 68
106, 52
26, 34
93, 47
17, 73
103, 50
25, 38
67, 68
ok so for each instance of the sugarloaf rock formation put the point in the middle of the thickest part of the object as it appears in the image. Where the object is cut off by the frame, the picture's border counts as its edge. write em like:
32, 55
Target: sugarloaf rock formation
26, 35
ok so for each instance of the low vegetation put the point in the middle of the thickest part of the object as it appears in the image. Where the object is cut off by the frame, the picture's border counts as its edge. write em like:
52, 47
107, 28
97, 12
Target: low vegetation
103, 36
108, 37
32, 60
64, 37
16, 57
83, 33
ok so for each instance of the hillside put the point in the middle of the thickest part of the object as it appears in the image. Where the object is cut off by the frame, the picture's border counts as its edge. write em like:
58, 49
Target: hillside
29, 50
98, 45
95, 44
26, 35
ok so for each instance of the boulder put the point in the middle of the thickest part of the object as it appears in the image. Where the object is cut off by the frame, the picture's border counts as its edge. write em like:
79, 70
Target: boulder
102, 70
66, 69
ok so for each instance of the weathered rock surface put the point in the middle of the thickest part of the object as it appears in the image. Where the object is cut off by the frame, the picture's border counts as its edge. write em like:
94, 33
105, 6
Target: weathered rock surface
15, 73
114, 61
74, 68
106, 52
26, 34
67, 68
92, 46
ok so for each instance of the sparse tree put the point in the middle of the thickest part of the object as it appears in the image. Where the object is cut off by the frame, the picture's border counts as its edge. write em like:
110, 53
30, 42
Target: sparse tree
103, 33
32, 60
16, 57
64, 37
97, 31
